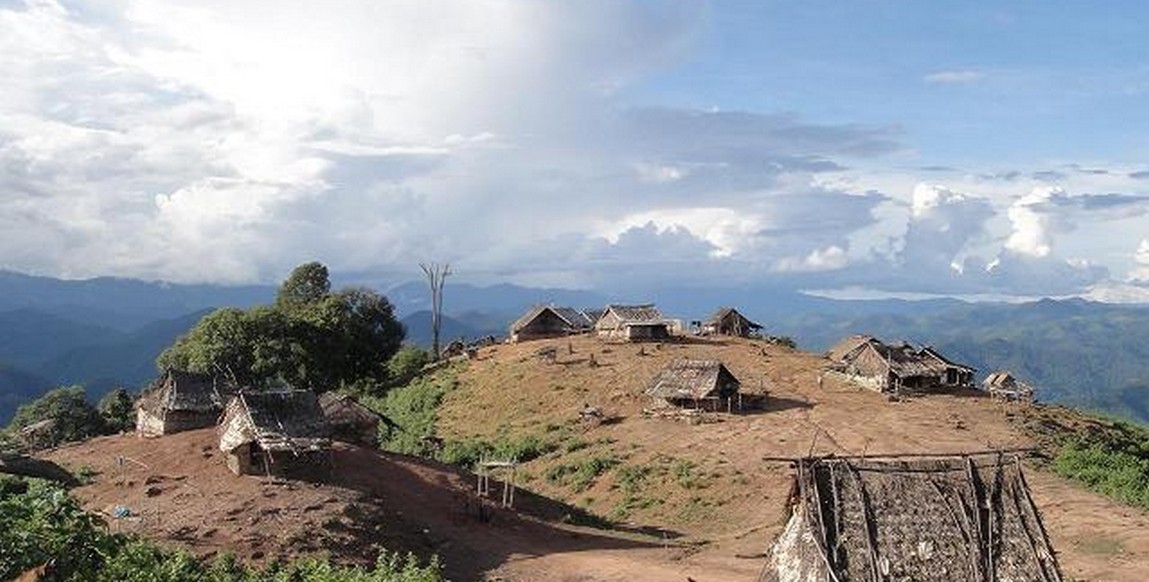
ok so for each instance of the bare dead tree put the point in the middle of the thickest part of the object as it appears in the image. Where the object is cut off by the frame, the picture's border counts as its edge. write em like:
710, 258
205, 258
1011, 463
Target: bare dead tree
436, 274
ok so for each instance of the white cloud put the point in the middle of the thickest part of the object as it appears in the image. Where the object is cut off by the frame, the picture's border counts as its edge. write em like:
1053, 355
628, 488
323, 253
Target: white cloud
954, 77
1140, 271
1032, 226
826, 259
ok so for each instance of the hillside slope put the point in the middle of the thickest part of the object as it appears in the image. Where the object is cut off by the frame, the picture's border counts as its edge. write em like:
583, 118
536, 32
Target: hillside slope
708, 482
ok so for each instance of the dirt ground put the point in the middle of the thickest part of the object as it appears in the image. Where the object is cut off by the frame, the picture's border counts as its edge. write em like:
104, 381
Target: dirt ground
708, 508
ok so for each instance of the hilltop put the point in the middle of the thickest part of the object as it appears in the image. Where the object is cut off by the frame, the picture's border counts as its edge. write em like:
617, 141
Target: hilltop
666, 498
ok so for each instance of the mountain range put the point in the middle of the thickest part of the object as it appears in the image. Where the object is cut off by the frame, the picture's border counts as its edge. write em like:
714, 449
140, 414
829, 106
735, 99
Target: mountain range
107, 332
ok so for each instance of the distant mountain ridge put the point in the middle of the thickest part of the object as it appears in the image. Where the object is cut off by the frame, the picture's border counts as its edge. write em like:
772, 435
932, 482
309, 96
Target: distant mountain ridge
105, 332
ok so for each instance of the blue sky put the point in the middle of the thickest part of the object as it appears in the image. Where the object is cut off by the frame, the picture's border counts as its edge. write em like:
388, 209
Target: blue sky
927, 148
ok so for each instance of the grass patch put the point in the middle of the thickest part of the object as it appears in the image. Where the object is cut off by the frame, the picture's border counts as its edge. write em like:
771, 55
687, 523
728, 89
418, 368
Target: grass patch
468, 452
631, 479
1119, 474
580, 475
687, 476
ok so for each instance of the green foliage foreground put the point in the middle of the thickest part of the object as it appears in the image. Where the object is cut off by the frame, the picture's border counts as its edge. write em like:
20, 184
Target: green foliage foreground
44, 524
1114, 462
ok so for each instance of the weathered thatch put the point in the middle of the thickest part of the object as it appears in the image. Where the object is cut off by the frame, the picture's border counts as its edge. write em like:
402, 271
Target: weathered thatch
39, 435
181, 401
846, 346
633, 323
350, 421
549, 321
1002, 384
281, 433
695, 382
889, 368
935, 519
728, 321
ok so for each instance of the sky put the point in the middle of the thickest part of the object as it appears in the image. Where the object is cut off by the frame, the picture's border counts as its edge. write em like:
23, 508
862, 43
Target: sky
846, 148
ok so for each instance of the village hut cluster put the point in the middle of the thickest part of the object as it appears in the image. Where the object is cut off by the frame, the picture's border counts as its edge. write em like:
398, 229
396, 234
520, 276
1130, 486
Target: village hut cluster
635, 323
277, 432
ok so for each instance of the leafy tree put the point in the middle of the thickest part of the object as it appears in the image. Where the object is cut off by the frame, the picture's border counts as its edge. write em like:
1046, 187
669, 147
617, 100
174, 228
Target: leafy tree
117, 408
311, 338
308, 283
73, 418
406, 364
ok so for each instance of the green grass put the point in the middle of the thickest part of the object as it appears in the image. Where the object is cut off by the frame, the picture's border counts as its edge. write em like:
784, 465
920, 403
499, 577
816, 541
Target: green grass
580, 475
415, 408
1119, 474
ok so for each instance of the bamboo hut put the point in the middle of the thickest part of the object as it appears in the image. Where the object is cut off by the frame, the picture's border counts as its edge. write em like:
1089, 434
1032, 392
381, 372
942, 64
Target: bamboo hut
282, 433
350, 421
181, 401
633, 323
549, 321
699, 384
728, 321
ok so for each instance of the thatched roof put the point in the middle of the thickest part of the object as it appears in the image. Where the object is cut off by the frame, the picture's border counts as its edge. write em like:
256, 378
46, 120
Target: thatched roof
693, 380
1000, 379
847, 346
186, 391
930, 352
277, 421
575, 319
344, 408
934, 519
646, 313
725, 312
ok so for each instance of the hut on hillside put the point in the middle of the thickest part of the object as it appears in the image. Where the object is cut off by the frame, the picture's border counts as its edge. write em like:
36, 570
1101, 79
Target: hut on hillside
549, 321
633, 323
350, 421
728, 321
39, 435
282, 433
698, 384
944, 519
1005, 386
888, 368
181, 401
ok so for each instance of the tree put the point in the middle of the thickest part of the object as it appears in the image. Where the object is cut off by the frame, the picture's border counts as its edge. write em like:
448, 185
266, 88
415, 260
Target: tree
436, 275
308, 283
319, 342
72, 417
117, 408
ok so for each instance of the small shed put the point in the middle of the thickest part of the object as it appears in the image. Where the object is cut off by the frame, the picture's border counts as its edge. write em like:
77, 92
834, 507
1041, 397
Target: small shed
633, 323
180, 401
941, 519
350, 421
549, 321
700, 384
728, 321
282, 433
1005, 386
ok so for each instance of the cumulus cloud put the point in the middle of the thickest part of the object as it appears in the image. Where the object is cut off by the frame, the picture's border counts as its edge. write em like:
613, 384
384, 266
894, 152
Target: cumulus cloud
1140, 271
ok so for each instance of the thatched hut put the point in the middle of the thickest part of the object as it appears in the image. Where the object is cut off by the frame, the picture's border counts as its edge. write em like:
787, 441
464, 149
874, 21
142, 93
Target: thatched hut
699, 384
888, 368
549, 321
181, 401
1003, 385
282, 433
728, 321
39, 435
944, 519
633, 323
350, 421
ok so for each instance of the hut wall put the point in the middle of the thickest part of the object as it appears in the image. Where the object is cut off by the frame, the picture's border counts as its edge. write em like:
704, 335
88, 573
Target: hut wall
358, 433
310, 465
149, 423
608, 325
647, 332
245, 459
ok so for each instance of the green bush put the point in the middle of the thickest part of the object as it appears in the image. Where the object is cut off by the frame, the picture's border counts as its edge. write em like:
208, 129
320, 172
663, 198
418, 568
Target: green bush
580, 475
414, 408
44, 524
74, 419
1116, 473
